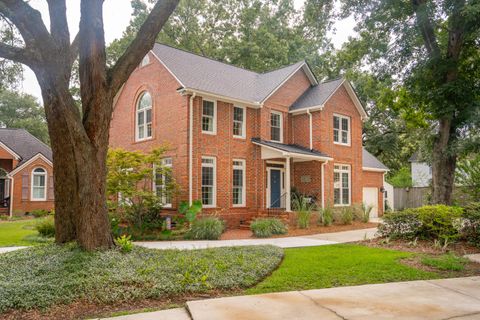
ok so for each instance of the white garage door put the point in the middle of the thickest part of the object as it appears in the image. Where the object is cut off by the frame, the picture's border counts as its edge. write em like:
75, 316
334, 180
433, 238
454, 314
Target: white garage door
370, 198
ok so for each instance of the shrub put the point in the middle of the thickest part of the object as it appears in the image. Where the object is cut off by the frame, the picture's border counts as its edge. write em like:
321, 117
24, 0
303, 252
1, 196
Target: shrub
125, 243
346, 215
210, 228
365, 212
40, 213
439, 222
326, 216
303, 207
190, 212
428, 222
303, 219
470, 226
266, 227
46, 227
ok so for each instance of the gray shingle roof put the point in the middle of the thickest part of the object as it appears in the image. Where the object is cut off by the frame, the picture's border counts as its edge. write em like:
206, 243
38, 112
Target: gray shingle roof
317, 95
24, 144
205, 74
369, 161
294, 148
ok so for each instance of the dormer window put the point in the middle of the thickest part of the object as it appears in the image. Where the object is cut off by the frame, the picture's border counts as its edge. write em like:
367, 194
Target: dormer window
341, 129
276, 126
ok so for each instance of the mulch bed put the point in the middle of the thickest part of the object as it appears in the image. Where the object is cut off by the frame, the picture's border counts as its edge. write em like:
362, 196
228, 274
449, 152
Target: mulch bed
237, 234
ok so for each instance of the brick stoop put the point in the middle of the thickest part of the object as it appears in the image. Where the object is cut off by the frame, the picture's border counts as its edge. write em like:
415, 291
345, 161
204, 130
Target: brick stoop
4, 211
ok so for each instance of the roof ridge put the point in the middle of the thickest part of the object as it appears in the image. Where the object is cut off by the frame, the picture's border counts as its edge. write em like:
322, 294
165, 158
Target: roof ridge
205, 57
287, 66
335, 79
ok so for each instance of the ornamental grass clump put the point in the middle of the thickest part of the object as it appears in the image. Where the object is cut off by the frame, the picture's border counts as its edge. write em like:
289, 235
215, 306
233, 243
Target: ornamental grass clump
303, 208
266, 227
210, 228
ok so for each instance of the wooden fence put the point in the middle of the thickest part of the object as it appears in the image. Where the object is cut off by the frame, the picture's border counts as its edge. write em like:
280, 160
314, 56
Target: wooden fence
410, 197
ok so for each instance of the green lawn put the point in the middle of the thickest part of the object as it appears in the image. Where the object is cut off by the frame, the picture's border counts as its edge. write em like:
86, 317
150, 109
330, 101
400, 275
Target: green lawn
338, 265
18, 233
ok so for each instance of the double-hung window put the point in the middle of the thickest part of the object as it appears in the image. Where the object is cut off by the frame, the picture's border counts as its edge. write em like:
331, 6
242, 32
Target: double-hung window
238, 183
209, 181
162, 182
341, 129
276, 126
39, 184
209, 117
341, 185
239, 122
144, 117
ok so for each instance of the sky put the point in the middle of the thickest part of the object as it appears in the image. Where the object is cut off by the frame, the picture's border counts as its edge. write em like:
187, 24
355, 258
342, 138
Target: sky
116, 15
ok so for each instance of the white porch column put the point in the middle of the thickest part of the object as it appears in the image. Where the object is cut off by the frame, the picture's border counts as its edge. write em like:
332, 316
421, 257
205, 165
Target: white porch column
287, 185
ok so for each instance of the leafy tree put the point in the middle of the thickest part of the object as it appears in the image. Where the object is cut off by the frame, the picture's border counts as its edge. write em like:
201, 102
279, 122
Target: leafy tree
79, 139
23, 111
468, 176
130, 176
430, 50
402, 179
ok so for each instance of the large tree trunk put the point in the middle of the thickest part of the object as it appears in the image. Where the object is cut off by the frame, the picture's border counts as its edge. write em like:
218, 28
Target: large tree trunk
79, 167
443, 164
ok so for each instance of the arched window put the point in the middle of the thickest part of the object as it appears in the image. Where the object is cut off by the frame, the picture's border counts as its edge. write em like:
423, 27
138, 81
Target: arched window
144, 117
145, 61
39, 184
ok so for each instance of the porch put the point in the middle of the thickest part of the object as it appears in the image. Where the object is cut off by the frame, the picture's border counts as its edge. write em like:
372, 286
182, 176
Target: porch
290, 166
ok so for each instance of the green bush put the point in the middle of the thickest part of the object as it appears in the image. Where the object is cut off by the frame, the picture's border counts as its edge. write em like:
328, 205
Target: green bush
365, 212
125, 243
266, 227
428, 222
470, 226
40, 213
303, 208
400, 224
210, 228
46, 227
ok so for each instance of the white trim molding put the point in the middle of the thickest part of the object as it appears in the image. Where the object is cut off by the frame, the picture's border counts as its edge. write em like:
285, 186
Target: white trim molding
214, 124
13, 153
44, 173
37, 156
375, 169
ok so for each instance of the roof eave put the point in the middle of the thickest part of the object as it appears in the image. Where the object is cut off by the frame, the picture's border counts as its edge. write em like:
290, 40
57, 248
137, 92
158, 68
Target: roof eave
293, 154
375, 169
254, 104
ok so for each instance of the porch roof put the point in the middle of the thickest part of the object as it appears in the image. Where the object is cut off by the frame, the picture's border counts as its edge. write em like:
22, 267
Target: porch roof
292, 150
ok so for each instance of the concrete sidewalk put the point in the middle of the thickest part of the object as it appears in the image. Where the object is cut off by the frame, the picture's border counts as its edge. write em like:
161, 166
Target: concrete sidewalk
433, 299
285, 242
8, 249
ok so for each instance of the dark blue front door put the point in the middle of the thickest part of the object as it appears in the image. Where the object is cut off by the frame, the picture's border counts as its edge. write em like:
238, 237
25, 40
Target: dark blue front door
275, 188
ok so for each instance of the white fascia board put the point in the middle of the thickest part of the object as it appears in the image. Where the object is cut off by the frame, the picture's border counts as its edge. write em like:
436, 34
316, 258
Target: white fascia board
214, 96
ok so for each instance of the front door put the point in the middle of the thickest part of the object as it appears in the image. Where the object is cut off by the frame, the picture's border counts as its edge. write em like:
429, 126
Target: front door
275, 188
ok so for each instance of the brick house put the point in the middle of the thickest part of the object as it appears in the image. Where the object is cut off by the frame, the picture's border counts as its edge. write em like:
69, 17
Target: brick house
240, 140
26, 173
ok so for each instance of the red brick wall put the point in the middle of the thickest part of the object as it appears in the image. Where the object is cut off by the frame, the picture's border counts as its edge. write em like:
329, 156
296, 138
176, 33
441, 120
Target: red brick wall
169, 119
21, 206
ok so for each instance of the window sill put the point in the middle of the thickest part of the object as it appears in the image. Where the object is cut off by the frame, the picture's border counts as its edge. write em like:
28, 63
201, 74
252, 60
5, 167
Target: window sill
342, 205
342, 144
210, 133
38, 200
239, 138
144, 140
276, 141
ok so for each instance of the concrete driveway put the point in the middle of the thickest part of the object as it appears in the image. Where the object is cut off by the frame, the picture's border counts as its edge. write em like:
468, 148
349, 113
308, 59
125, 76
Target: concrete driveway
414, 300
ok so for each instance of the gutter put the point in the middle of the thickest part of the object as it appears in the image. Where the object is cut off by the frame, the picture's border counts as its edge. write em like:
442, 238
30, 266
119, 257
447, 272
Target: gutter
323, 183
11, 187
310, 118
185, 91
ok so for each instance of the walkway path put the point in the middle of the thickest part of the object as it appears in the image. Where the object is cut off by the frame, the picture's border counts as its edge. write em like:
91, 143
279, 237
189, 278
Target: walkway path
286, 242
434, 299
8, 249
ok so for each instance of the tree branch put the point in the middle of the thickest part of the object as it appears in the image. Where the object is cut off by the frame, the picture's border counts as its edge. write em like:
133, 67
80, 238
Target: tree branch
15, 54
142, 43
29, 22
58, 22
425, 25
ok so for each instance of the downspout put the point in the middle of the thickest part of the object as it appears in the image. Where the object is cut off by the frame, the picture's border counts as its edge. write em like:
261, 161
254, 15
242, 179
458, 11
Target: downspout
311, 128
11, 196
190, 151
323, 183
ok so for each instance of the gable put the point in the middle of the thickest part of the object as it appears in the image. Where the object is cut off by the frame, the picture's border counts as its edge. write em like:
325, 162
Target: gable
7, 153
290, 90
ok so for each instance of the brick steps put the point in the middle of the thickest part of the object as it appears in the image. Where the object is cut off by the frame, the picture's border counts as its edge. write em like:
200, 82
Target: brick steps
245, 225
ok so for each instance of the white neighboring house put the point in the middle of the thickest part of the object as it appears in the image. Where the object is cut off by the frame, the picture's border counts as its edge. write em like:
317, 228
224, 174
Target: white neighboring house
420, 170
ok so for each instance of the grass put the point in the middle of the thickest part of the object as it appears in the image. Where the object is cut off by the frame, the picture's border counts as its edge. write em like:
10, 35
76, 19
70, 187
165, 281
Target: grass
338, 265
19, 233
47, 275
445, 262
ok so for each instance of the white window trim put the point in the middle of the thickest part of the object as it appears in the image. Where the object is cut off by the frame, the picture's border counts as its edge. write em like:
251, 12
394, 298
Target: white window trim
214, 132
281, 126
244, 127
244, 178
44, 198
349, 184
349, 135
170, 165
144, 111
214, 196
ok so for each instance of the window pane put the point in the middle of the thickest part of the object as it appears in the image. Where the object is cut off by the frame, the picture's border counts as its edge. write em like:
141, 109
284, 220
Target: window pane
344, 137
335, 135
345, 124
149, 115
344, 180
38, 180
336, 122
275, 132
207, 176
237, 196
207, 195
275, 120
208, 109
141, 132
207, 161
237, 128
238, 114
149, 130
145, 101
207, 124
345, 197
336, 196
140, 118
237, 178
38, 192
